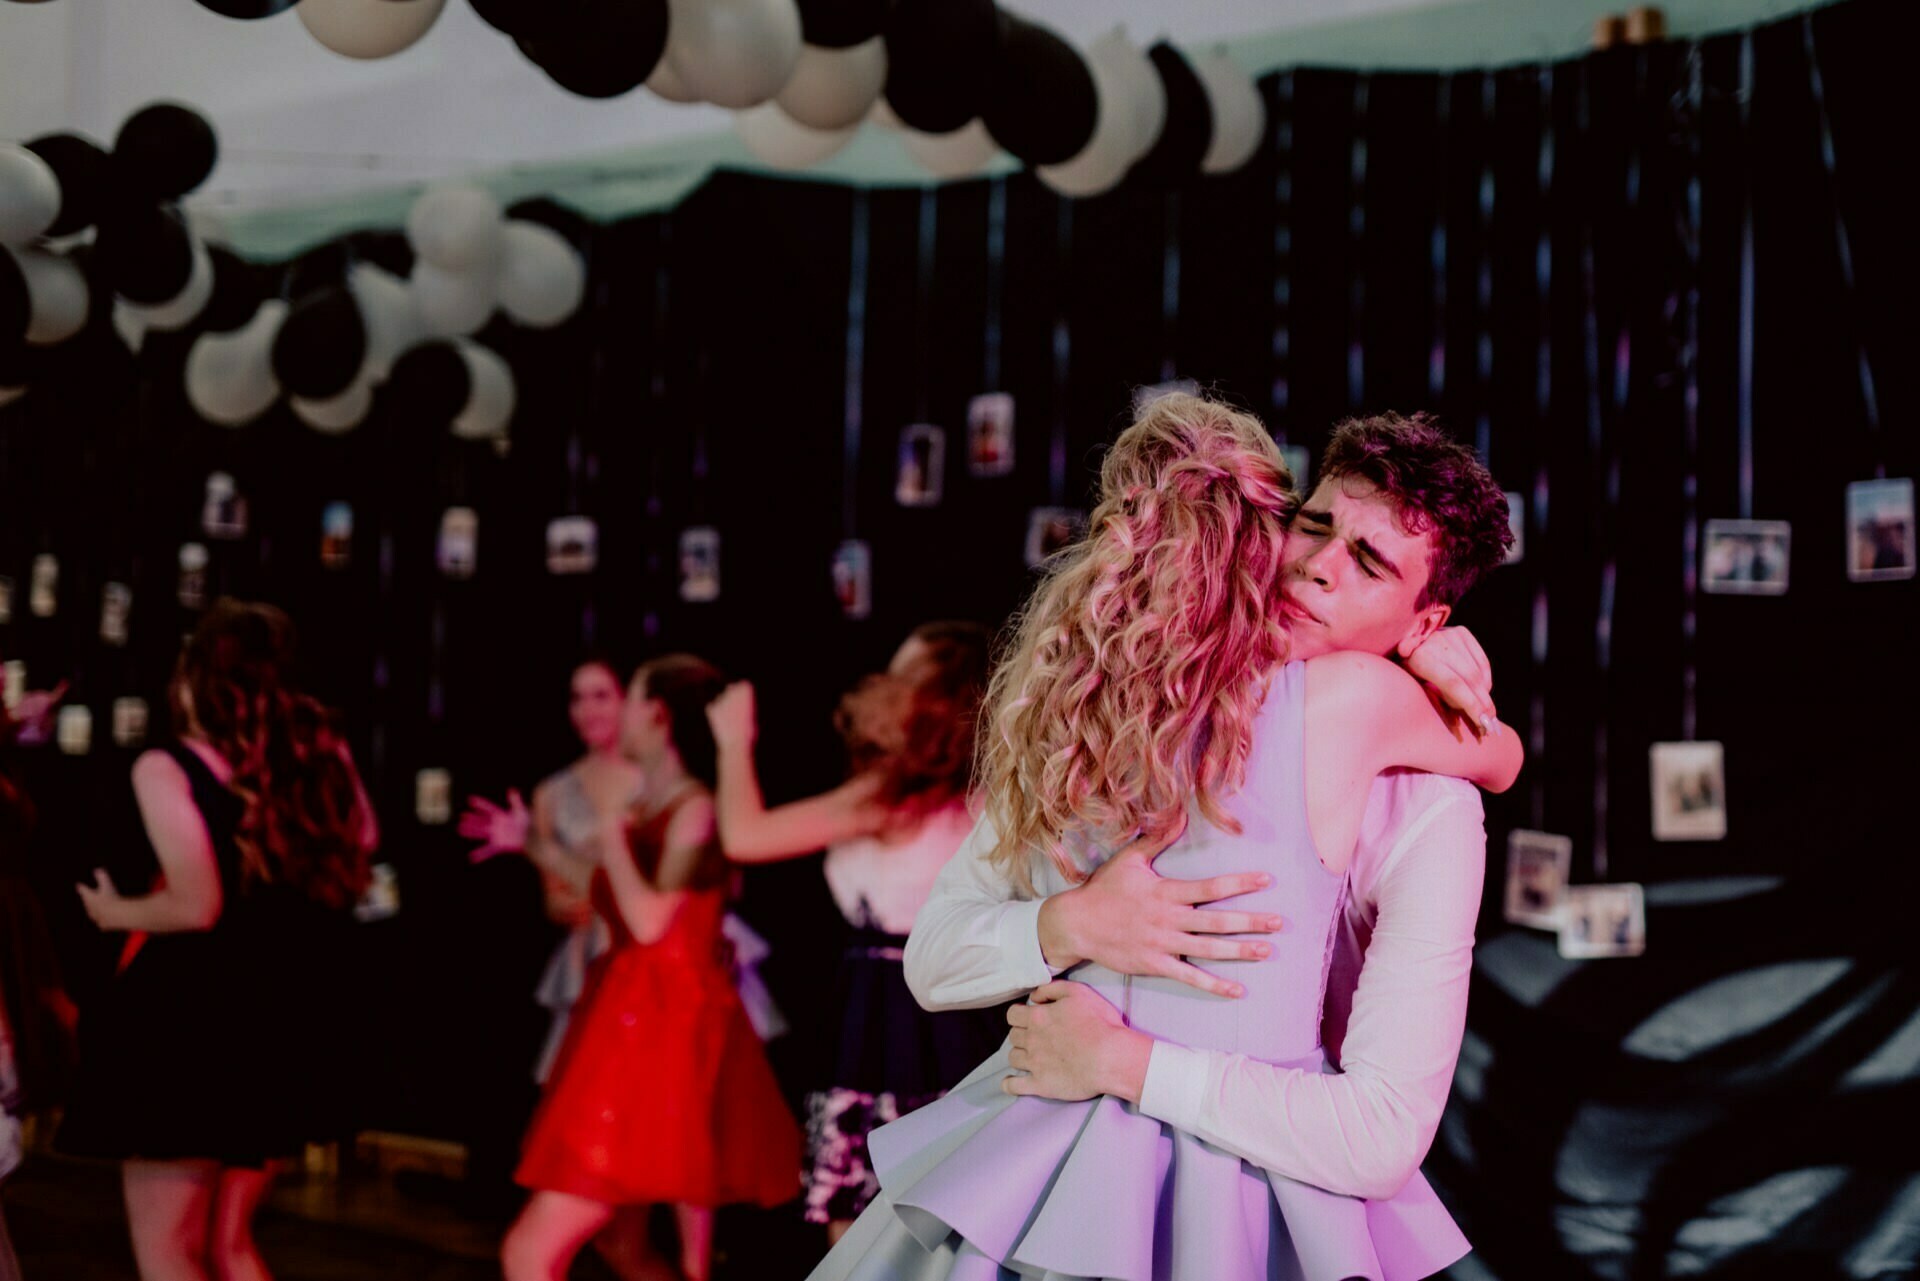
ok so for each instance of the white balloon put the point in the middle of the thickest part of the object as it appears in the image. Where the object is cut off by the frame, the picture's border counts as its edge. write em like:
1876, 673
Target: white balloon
666, 82
451, 304
129, 324
490, 403
965, 151
335, 414
386, 309
183, 308
1103, 162
455, 228
835, 88
58, 294
735, 53
785, 143
1141, 88
542, 279
29, 195
229, 377
368, 28
1239, 114
10, 394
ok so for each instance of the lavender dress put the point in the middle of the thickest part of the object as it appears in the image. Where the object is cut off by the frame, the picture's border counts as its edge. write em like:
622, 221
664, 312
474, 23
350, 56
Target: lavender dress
983, 1186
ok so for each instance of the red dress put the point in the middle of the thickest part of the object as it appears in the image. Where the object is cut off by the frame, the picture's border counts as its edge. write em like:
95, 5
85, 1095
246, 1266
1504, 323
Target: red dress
661, 1091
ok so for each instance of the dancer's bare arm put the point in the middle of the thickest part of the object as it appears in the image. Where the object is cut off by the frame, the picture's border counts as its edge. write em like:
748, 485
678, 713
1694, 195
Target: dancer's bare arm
752, 833
188, 896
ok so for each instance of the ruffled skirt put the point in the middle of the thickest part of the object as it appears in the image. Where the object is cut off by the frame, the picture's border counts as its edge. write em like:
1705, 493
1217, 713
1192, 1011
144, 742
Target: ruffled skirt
984, 1186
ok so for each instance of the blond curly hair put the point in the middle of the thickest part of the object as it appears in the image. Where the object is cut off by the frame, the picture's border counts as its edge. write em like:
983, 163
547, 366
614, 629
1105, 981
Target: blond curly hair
1135, 672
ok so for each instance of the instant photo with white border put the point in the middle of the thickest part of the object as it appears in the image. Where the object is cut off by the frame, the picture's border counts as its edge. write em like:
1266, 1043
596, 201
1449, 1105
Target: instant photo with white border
1880, 530
990, 434
1746, 557
1604, 920
1538, 867
1689, 791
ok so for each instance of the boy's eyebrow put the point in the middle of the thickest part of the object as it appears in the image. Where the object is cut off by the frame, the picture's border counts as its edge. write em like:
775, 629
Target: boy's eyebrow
1368, 549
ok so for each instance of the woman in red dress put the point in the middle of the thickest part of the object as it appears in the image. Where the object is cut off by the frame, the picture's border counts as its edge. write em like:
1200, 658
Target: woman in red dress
661, 1092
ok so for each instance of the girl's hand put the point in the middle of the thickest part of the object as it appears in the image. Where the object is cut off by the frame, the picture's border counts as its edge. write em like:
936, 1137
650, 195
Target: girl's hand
101, 900
731, 716
1457, 676
1072, 1044
499, 831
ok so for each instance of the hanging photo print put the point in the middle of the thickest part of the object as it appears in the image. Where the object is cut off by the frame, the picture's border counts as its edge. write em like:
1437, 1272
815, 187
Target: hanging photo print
923, 459
1689, 792
1144, 396
433, 797
990, 434
1745, 557
192, 590
1538, 865
853, 578
74, 730
700, 564
116, 603
573, 545
1299, 462
1604, 920
1517, 526
129, 722
6, 600
224, 514
381, 899
458, 551
1880, 532
43, 590
13, 682
1051, 529
336, 536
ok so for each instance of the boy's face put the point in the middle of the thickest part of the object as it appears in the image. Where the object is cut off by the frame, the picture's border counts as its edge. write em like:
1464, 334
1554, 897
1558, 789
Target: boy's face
1351, 575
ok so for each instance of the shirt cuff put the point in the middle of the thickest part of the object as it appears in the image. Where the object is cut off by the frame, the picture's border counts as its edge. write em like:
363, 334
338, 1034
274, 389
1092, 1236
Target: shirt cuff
1176, 1085
1020, 940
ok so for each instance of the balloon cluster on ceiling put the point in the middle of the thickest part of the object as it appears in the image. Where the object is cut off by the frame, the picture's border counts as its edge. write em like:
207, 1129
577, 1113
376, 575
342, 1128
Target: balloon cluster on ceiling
960, 79
82, 227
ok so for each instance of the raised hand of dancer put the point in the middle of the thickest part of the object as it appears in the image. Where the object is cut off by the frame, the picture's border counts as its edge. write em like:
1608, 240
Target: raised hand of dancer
499, 830
732, 717
1131, 919
1458, 678
1071, 1044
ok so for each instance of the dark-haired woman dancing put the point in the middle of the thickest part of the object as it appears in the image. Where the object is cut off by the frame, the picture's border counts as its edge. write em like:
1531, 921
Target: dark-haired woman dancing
215, 1050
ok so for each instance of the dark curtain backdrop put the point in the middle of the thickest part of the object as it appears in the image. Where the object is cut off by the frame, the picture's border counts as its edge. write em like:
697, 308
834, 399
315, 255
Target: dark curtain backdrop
1549, 257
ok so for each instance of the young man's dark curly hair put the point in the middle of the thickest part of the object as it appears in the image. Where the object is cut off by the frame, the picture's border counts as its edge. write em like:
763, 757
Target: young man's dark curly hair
1436, 485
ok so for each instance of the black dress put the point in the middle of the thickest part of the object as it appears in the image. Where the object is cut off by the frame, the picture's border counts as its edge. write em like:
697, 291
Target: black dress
225, 1044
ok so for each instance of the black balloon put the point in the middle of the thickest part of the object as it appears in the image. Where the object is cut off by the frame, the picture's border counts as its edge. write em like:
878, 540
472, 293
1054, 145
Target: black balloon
940, 57
1043, 106
236, 292
164, 151
145, 253
609, 49
248, 8
16, 305
841, 24
84, 171
429, 384
321, 344
530, 18
1188, 132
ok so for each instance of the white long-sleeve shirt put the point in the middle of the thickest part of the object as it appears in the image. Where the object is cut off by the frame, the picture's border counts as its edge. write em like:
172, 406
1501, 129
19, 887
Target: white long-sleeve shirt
1396, 996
